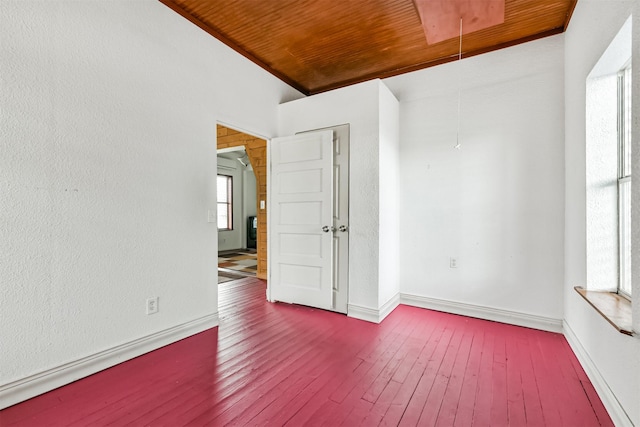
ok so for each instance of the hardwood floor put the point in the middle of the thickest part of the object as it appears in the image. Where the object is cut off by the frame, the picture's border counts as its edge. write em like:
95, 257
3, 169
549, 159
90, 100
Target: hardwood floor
277, 364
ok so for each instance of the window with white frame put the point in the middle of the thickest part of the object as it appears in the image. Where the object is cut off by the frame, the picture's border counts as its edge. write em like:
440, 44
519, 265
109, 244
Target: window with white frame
225, 202
624, 180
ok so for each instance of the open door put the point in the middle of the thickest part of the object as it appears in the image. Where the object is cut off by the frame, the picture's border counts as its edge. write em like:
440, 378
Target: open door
301, 233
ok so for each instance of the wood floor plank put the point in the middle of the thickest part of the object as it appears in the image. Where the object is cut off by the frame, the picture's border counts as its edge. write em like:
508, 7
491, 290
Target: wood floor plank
281, 364
515, 385
374, 390
467, 399
583, 412
381, 370
417, 402
484, 398
530, 391
443, 377
382, 404
408, 388
451, 399
499, 404
547, 383
257, 396
596, 404
224, 386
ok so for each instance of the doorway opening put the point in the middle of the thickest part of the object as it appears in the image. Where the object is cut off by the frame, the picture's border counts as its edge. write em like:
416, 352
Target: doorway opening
242, 210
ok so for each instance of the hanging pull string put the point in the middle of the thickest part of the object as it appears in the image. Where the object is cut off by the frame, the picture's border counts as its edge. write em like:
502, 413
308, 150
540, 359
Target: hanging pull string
457, 146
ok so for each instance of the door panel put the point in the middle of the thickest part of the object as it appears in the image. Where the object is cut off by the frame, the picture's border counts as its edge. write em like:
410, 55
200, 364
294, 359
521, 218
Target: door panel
301, 205
340, 220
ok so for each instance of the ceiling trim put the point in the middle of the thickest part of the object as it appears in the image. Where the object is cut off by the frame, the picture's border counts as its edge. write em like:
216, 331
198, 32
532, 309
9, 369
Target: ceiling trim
230, 43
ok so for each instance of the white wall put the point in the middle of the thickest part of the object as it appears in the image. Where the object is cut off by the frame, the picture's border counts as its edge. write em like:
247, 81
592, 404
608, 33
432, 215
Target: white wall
107, 171
389, 284
249, 192
496, 205
612, 356
249, 197
358, 105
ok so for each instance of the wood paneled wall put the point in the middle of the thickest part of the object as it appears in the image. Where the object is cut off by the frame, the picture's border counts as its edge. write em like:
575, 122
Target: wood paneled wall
257, 151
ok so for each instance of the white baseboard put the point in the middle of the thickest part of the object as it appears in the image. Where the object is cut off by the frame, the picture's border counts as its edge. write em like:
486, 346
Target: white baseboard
486, 313
372, 314
34, 385
615, 410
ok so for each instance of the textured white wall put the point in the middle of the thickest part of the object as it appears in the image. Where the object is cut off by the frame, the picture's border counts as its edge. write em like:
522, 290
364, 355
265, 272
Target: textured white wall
107, 167
497, 204
249, 196
593, 26
358, 106
389, 285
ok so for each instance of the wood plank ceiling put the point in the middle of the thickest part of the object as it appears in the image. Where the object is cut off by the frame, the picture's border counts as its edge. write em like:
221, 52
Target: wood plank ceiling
319, 45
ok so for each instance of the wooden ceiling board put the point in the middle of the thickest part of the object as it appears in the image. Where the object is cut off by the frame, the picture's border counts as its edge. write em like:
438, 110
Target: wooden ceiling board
319, 45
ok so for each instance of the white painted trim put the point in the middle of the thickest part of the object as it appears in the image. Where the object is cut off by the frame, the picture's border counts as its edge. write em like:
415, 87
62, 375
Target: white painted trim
269, 226
388, 307
371, 314
363, 313
34, 385
613, 407
486, 313
241, 130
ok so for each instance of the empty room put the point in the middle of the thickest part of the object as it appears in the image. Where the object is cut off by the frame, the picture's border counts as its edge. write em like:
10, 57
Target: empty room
425, 207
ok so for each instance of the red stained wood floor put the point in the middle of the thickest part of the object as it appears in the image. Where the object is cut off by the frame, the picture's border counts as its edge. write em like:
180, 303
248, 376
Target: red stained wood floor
278, 364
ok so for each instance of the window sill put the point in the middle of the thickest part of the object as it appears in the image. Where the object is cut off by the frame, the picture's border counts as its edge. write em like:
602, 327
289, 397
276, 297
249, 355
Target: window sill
614, 308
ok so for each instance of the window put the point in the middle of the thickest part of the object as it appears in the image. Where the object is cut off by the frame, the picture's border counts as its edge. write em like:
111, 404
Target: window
624, 180
608, 184
225, 202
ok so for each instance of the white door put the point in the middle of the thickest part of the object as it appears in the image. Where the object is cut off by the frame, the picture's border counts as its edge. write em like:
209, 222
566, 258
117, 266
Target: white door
301, 220
340, 221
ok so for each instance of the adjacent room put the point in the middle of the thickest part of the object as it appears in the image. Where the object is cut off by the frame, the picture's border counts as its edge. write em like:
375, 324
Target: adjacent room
406, 212
236, 216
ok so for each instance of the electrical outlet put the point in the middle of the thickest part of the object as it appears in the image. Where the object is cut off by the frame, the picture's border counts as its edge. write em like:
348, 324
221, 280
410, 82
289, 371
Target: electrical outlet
152, 305
453, 263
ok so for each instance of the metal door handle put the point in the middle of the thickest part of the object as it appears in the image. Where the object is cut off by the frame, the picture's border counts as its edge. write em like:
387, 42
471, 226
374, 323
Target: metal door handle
343, 228
325, 228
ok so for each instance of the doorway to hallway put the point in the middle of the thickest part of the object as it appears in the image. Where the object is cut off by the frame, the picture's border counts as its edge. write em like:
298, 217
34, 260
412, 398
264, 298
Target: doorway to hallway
244, 235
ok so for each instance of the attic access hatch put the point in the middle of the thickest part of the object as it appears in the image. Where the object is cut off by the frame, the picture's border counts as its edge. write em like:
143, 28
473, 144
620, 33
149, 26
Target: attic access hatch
441, 18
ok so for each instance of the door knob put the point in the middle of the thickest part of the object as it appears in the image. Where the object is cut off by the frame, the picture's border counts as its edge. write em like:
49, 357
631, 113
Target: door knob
325, 229
343, 228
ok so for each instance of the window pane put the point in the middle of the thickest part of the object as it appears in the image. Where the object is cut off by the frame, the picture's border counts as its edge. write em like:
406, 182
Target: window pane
223, 185
626, 132
624, 179
223, 217
625, 237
